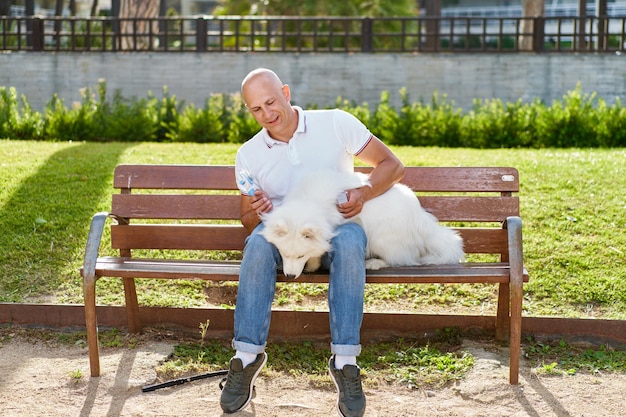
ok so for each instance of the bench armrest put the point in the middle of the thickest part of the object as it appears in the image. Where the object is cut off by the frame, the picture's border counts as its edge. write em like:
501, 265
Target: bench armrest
513, 225
92, 249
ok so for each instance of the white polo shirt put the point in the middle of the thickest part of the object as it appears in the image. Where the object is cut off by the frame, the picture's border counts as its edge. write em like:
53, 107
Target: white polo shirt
324, 139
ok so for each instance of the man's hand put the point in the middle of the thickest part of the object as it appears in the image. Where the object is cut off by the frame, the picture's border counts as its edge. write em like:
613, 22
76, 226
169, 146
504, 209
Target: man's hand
260, 202
356, 199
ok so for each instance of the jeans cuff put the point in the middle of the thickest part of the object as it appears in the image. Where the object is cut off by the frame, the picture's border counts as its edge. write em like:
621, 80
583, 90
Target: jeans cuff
248, 347
345, 350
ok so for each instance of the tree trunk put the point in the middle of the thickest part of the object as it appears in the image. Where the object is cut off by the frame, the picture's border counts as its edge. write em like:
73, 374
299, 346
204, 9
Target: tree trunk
5, 7
135, 27
531, 9
94, 8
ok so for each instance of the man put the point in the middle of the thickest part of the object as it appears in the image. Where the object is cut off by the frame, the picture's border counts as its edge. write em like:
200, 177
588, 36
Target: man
291, 143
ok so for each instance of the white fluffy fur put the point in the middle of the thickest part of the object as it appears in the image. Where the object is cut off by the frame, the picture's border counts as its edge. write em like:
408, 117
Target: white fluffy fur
399, 231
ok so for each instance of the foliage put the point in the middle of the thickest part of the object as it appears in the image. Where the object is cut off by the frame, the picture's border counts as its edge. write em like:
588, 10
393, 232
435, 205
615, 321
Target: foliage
416, 364
17, 118
561, 357
323, 30
318, 8
579, 120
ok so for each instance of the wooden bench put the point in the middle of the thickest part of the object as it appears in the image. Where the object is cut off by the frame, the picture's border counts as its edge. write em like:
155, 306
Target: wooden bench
197, 208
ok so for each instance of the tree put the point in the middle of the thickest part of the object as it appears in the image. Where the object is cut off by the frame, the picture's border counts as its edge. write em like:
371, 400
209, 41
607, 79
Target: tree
371, 8
5, 7
530, 9
135, 15
348, 8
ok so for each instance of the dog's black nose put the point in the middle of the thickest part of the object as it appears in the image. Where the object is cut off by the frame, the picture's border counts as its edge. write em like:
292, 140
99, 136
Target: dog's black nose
290, 276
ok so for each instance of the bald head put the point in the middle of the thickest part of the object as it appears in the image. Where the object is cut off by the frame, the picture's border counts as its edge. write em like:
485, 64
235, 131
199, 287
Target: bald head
260, 75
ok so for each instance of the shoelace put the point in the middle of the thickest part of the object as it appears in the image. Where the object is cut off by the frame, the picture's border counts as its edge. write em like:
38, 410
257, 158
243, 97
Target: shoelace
233, 380
353, 387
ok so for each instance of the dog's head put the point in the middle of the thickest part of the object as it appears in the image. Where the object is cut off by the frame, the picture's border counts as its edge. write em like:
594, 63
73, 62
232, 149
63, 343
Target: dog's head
297, 239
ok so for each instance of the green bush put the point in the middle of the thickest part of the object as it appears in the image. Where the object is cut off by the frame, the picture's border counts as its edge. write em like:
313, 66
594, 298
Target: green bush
18, 122
578, 120
204, 125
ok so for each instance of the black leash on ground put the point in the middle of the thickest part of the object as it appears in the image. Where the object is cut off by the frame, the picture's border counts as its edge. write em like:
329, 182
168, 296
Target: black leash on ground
180, 381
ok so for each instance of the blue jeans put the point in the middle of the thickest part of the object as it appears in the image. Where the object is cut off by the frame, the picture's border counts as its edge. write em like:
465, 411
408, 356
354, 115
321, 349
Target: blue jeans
257, 282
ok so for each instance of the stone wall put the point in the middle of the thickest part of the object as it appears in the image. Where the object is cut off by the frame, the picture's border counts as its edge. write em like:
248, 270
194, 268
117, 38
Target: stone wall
318, 78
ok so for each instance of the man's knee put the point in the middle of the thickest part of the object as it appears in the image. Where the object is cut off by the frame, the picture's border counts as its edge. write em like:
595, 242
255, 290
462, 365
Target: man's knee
350, 236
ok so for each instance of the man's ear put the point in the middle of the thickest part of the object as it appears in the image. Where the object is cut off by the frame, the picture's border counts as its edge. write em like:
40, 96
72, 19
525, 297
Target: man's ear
287, 92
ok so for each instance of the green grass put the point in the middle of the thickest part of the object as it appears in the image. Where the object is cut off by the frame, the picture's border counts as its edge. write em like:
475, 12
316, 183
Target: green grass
410, 363
573, 205
562, 358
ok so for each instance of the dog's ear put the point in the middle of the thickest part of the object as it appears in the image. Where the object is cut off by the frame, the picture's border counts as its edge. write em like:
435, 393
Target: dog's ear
279, 228
308, 232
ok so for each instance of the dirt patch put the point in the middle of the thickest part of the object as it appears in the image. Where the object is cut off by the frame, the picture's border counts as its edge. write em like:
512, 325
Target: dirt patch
37, 379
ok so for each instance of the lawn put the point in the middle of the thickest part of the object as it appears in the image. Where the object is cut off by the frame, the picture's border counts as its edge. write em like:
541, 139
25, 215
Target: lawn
573, 204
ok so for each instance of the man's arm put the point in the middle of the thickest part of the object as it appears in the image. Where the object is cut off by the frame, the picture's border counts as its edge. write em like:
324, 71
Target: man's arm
387, 171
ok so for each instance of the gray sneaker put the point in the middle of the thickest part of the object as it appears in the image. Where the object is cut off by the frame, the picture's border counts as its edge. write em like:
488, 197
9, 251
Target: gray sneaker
350, 397
237, 391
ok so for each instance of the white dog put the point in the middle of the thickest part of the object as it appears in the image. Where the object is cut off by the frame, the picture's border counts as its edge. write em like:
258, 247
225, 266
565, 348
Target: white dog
399, 231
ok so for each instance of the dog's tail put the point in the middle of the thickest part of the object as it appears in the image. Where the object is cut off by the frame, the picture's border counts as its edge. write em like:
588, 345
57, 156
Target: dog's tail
442, 245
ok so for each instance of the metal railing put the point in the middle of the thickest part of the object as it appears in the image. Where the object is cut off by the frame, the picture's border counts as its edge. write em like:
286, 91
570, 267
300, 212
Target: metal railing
315, 34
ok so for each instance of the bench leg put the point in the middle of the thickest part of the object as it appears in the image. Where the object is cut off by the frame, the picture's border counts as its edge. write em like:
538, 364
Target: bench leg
91, 324
516, 332
514, 229
132, 306
502, 317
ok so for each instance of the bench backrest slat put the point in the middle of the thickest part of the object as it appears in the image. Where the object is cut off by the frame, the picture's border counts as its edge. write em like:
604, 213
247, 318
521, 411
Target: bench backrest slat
156, 206
213, 177
226, 207
151, 194
460, 179
183, 237
190, 177
471, 209
231, 237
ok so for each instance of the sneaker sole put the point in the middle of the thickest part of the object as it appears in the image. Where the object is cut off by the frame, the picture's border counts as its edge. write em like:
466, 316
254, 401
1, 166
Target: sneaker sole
330, 372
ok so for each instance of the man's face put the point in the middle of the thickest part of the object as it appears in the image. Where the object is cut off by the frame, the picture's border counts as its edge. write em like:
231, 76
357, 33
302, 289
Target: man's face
268, 102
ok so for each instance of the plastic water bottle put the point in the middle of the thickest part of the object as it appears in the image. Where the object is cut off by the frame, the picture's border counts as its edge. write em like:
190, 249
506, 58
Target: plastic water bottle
245, 180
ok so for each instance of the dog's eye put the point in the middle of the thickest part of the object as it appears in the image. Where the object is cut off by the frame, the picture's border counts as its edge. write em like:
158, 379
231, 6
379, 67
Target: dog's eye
300, 257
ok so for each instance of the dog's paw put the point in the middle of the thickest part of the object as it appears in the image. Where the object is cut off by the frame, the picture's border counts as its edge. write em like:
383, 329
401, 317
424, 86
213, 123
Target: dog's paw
313, 264
374, 264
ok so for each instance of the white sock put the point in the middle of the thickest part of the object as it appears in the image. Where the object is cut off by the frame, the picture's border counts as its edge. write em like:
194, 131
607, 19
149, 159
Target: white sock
341, 361
246, 357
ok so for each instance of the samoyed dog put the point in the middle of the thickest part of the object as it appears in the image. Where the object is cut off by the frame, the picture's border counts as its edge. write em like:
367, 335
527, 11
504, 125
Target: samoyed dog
399, 231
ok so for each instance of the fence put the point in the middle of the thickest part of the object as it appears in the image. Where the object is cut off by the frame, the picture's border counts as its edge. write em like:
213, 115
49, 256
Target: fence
315, 34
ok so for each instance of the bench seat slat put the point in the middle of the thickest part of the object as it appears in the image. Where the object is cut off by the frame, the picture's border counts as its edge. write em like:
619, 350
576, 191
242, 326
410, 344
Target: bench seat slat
229, 271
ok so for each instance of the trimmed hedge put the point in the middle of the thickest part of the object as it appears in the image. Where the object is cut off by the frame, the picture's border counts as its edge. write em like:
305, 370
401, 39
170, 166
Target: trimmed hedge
578, 120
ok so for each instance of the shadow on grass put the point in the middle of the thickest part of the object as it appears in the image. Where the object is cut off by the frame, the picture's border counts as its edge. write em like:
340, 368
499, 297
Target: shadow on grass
44, 224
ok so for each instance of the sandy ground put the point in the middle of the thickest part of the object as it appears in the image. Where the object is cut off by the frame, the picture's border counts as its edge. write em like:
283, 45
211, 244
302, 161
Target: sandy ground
37, 379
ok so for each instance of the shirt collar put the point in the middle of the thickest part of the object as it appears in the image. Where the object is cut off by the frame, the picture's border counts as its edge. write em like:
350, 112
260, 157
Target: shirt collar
270, 142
